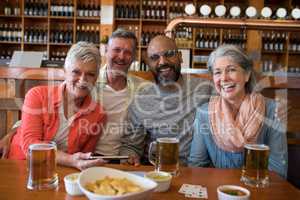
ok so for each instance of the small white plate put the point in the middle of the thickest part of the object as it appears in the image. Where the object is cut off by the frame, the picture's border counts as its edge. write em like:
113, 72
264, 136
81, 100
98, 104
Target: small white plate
190, 9
220, 10
205, 10
235, 11
296, 13
251, 12
281, 13
266, 12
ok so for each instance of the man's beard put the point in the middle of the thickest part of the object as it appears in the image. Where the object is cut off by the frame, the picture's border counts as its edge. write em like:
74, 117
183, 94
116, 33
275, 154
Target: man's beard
164, 81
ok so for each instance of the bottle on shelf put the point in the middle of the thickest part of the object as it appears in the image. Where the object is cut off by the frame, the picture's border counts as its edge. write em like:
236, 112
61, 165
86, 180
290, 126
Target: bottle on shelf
86, 9
17, 10
294, 44
58, 55
6, 54
10, 32
89, 33
147, 36
7, 8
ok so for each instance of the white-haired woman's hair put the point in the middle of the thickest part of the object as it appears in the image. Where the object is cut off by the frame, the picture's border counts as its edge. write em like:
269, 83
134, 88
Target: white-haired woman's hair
83, 51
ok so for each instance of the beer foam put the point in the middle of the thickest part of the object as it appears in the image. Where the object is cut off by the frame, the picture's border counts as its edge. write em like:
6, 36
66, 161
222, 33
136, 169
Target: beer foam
168, 140
41, 147
259, 147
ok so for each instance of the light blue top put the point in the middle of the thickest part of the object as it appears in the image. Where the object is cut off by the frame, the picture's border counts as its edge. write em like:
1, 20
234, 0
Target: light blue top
204, 151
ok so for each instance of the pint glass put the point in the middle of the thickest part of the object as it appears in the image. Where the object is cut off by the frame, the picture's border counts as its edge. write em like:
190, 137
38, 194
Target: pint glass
166, 157
42, 166
255, 167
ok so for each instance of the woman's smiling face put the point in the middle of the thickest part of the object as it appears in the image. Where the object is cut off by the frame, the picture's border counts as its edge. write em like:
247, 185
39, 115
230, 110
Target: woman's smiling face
229, 79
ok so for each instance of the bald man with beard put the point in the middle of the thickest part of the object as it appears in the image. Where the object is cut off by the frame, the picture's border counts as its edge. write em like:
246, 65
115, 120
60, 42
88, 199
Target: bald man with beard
166, 107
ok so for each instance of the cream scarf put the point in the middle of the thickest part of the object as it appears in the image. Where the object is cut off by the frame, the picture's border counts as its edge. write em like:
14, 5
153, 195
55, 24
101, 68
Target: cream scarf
229, 133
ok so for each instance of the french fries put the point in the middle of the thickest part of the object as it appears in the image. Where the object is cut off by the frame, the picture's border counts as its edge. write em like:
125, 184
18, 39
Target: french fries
112, 186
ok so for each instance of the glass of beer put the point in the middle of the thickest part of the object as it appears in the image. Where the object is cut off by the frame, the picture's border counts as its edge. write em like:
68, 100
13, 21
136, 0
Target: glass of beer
164, 155
42, 166
255, 166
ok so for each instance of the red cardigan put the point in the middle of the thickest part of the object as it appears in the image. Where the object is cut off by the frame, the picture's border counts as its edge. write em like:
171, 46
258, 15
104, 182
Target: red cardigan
40, 122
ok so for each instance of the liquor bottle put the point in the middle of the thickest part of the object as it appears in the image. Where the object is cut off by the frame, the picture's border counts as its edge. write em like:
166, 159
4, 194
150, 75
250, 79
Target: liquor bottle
85, 9
78, 33
148, 10
60, 8
98, 34
131, 11
153, 10
17, 10
272, 41
35, 8
7, 8
95, 10
80, 11
90, 9
82, 33
126, 11
143, 10
117, 11
121, 11
137, 11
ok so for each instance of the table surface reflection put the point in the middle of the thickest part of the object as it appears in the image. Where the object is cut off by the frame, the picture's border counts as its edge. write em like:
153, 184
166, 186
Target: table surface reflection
14, 176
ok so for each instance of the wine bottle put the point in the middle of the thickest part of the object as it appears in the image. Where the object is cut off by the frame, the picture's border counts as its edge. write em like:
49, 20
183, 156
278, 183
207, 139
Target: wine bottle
7, 8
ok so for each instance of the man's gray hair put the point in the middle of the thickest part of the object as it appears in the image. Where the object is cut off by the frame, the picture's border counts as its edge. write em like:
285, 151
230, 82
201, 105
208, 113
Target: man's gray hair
85, 52
237, 55
123, 33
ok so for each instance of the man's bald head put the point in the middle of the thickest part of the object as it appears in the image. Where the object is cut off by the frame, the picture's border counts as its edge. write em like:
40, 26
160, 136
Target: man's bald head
161, 41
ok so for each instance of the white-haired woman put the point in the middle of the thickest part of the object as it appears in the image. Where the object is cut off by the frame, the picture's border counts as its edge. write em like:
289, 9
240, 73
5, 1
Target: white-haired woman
236, 117
65, 113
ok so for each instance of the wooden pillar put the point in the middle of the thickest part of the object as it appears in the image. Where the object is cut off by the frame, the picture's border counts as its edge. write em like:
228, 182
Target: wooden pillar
254, 42
107, 17
107, 23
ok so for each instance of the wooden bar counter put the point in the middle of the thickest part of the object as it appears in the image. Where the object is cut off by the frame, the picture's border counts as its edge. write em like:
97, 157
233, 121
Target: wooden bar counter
14, 177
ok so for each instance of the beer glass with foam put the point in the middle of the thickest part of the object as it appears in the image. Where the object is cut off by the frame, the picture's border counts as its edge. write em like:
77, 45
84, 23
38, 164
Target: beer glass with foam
42, 166
164, 155
255, 166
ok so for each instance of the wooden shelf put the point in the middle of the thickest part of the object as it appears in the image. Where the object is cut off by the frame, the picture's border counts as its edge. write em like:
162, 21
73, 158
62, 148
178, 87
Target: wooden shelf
128, 19
88, 18
273, 52
204, 49
35, 17
154, 21
294, 52
61, 17
6, 42
35, 43
60, 44
10, 16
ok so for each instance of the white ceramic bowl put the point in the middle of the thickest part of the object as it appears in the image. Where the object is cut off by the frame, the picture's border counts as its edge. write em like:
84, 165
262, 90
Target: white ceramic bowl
163, 180
98, 173
71, 184
224, 196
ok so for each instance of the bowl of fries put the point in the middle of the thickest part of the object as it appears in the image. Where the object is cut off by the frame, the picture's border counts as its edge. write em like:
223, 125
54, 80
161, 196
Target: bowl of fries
102, 183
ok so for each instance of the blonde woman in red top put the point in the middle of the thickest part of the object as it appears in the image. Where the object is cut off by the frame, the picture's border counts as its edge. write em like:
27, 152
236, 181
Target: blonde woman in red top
66, 113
